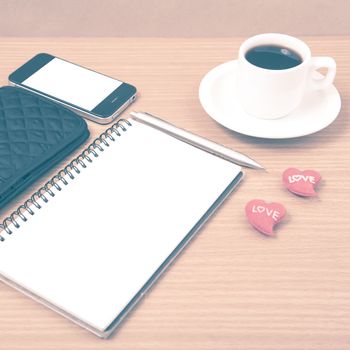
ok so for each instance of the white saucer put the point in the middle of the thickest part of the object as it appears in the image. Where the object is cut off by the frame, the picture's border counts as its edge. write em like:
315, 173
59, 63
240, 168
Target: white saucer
219, 99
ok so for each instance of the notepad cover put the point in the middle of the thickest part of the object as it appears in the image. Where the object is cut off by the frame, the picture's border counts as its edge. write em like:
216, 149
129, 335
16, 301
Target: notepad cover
95, 248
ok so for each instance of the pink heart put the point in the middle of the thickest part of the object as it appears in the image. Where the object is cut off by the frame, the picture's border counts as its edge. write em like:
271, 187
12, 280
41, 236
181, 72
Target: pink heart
264, 216
302, 183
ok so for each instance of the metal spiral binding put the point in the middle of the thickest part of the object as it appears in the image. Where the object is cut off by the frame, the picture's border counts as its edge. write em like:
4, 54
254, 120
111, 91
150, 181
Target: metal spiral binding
69, 170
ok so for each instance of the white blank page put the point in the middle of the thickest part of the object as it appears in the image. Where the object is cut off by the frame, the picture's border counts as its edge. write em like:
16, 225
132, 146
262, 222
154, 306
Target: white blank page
93, 246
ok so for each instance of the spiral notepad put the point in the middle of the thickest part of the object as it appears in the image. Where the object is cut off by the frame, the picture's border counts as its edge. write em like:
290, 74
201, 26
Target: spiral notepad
96, 236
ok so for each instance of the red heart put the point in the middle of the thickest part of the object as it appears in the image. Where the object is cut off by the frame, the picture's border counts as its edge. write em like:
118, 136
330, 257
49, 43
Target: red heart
300, 182
264, 216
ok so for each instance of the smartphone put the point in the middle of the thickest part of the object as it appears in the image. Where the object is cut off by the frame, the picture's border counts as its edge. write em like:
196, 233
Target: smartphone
92, 95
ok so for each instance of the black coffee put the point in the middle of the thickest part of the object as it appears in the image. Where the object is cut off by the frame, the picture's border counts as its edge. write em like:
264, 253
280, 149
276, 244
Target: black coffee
273, 57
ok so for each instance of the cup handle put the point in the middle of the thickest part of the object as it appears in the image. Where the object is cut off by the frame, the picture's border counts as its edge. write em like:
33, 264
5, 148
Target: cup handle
322, 62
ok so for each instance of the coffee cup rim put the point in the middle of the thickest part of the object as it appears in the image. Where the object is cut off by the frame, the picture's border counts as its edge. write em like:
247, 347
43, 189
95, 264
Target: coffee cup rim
275, 39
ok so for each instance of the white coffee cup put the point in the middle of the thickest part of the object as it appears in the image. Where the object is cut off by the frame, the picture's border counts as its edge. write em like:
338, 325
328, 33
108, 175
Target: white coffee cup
272, 94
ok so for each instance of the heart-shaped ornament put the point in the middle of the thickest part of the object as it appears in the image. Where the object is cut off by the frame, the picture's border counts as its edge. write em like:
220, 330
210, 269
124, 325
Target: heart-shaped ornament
302, 183
264, 216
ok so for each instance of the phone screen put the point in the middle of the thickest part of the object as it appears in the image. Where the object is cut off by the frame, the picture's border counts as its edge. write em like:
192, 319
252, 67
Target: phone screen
76, 85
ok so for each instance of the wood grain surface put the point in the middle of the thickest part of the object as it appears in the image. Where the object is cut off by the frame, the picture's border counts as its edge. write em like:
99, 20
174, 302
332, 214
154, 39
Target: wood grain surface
232, 288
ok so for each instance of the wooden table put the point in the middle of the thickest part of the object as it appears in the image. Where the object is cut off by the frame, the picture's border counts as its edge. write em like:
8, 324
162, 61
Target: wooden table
232, 288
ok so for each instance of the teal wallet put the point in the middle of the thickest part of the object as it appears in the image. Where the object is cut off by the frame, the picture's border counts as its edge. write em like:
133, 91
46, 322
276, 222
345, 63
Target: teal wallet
35, 135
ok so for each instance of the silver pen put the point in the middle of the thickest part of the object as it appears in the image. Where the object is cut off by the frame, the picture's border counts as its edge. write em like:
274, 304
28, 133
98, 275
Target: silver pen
195, 140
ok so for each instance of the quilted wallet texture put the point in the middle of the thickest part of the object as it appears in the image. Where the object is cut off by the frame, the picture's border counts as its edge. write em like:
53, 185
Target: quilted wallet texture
35, 134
